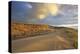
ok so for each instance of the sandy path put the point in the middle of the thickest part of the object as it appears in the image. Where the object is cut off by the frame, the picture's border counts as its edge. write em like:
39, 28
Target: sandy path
46, 42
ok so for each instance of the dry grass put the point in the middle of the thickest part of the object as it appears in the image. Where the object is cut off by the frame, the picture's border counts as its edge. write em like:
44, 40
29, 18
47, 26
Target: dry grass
19, 30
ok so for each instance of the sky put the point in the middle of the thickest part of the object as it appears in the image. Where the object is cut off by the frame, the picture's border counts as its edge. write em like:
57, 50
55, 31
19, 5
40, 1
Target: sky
44, 13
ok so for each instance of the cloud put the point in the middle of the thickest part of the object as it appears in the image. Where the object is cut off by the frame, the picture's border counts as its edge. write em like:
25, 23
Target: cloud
68, 10
53, 9
42, 10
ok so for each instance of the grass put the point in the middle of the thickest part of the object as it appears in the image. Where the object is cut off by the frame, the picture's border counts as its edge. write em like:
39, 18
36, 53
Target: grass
72, 34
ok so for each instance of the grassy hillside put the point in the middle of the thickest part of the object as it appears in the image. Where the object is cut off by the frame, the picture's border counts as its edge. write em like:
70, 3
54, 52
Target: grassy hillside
19, 31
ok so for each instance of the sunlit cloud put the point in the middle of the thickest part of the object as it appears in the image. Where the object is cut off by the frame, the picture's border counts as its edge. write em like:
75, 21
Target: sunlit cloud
53, 9
43, 10
41, 16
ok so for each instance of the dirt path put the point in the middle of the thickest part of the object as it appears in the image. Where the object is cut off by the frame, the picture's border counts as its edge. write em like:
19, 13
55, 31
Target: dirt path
52, 41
